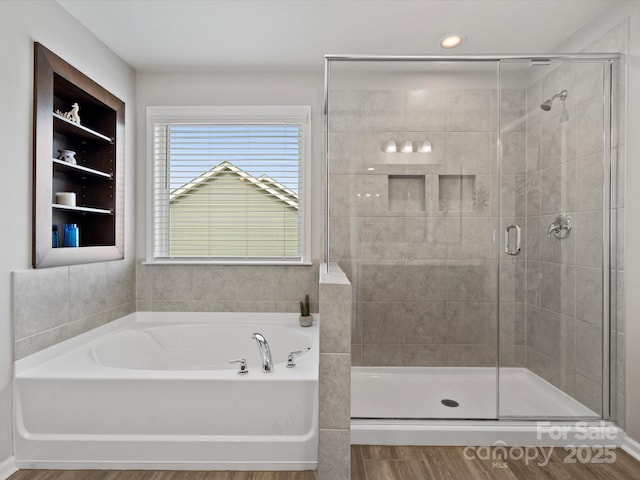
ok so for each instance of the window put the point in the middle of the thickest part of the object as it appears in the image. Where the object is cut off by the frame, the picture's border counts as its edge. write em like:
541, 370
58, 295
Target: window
229, 184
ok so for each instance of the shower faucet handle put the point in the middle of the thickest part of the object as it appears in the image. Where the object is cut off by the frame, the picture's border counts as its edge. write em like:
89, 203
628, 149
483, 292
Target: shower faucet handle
561, 227
243, 370
291, 358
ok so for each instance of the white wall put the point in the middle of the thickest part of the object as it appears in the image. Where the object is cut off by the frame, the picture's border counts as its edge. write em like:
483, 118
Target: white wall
632, 240
239, 88
22, 23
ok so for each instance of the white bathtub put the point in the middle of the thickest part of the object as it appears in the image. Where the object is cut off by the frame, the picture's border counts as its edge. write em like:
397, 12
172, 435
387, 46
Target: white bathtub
157, 391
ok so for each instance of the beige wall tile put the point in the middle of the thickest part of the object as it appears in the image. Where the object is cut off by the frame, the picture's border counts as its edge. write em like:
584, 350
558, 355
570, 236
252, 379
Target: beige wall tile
121, 283
589, 294
558, 136
215, 283
345, 110
590, 125
39, 341
589, 350
426, 110
558, 188
383, 110
335, 390
588, 234
335, 307
40, 301
589, 182
589, 393
514, 147
87, 289
172, 283
334, 455
469, 111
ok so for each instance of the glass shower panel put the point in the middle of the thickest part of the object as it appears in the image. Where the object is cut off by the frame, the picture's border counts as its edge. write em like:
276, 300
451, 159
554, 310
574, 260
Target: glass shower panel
412, 214
552, 206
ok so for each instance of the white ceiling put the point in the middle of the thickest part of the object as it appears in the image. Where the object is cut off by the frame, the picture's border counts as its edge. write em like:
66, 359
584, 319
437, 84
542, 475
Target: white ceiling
165, 35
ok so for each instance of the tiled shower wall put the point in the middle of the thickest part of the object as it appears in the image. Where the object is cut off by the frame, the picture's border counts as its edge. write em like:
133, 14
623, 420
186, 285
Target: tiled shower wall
414, 231
564, 276
615, 40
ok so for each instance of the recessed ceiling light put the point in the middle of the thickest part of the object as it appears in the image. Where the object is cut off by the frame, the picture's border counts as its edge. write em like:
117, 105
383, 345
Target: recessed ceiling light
452, 41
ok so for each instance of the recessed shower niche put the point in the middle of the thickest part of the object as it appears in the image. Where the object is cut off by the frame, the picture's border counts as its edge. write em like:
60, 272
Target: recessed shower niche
457, 193
407, 193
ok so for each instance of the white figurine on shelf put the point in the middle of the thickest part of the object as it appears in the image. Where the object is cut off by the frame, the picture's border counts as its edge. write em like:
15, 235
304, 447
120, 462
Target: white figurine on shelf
71, 115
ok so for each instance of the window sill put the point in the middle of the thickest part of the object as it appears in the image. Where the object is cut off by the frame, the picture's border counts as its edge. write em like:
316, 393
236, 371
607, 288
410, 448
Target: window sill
229, 262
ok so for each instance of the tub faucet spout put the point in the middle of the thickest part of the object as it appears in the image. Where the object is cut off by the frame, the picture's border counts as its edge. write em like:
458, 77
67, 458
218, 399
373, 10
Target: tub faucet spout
265, 352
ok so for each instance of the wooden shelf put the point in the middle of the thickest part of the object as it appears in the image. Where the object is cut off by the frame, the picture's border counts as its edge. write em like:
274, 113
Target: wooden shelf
97, 178
64, 124
82, 209
80, 169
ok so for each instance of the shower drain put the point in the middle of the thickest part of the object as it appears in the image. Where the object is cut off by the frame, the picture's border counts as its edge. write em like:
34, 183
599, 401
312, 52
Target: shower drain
449, 403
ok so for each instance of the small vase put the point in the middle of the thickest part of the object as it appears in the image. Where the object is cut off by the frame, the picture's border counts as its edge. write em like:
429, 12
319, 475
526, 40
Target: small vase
305, 320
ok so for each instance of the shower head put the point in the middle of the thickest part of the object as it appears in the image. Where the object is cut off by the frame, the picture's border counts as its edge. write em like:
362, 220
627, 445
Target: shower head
546, 105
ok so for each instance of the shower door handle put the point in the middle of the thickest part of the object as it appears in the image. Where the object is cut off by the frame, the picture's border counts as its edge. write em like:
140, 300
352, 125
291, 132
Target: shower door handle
507, 237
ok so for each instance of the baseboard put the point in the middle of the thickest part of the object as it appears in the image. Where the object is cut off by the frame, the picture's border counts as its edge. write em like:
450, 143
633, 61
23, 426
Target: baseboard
632, 447
8, 468
260, 466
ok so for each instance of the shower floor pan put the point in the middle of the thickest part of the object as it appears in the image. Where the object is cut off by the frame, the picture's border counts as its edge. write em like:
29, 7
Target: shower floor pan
409, 406
457, 392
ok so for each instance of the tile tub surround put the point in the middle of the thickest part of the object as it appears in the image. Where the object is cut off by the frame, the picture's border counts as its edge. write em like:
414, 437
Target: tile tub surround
54, 304
335, 374
225, 288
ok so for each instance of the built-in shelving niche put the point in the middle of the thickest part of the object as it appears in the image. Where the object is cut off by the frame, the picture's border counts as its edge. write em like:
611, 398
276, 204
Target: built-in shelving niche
457, 193
97, 179
406, 193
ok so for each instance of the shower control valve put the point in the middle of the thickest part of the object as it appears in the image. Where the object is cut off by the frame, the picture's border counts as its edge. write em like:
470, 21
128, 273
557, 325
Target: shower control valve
243, 370
561, 227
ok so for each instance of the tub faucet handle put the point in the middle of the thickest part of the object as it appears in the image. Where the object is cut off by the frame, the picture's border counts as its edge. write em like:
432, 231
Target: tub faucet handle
291, 358
243, 370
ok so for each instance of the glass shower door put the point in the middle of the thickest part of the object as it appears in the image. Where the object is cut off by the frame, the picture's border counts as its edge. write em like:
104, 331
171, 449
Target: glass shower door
553, 172
411, 218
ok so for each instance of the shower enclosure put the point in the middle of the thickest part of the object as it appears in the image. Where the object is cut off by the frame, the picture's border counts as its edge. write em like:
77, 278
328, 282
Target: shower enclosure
469, 202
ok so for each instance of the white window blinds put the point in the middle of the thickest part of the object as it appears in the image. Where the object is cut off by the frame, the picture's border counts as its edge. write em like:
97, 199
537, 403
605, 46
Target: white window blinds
229, 189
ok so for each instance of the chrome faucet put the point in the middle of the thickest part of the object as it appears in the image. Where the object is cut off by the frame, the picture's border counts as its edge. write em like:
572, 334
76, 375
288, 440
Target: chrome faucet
561, 227
265, 351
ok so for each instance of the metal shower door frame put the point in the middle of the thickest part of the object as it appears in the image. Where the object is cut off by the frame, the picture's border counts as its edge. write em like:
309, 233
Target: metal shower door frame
609, 190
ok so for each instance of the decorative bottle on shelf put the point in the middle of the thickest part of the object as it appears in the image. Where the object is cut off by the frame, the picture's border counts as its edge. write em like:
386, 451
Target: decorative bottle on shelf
71, 235
54, 236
